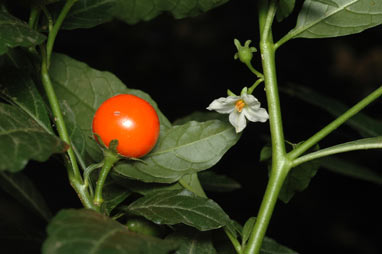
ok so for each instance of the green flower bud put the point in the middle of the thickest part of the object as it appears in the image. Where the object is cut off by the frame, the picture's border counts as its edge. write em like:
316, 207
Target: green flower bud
244, 53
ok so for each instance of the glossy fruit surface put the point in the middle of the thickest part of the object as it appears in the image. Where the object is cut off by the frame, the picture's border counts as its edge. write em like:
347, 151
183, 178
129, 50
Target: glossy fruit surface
129, 119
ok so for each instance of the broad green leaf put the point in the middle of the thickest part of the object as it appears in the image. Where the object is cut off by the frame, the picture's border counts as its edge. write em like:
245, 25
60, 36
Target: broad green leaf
285, 8
342, 17
85, 231
174, 207
298, 180
193, 242
133, 11
22, 139
328, 2
367, 126
142, 226
270, 246
183, 149
217, 183
351, 169
142, 187
191, 182
87, 13
22, 189
15, 33
247, 230
200, 117
81, 90
113, 195
18, 88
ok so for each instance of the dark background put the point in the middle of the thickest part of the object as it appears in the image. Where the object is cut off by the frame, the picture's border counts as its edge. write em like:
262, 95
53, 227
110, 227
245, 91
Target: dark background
185, 64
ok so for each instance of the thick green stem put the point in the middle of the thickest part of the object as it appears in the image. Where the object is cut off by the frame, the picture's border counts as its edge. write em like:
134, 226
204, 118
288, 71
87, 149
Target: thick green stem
276, 180
334, 125
72, 166
110, 158
280, 163
56, 27
33, 17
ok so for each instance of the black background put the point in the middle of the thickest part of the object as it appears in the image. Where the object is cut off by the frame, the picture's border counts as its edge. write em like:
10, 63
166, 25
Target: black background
185, 64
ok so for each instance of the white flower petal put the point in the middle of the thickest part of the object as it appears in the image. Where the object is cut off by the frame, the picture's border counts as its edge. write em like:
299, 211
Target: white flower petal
224, 105
251, 101
237, 120
256, 115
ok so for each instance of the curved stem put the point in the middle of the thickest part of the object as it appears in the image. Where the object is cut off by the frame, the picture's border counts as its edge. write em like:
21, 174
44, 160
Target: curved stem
234, 241
362, 144
71, 162
258, 74
33, 17
110, 158
56, 27
334, 125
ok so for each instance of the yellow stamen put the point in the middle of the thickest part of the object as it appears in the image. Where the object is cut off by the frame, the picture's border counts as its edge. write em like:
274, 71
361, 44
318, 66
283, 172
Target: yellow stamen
239, 105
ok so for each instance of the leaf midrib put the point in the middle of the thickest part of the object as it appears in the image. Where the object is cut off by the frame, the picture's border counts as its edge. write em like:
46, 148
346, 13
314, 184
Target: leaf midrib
295, 32
188, 144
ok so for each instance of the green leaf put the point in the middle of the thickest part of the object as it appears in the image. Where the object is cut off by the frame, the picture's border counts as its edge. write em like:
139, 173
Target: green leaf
174, 207
85, 231
191, 182
18, 88
15, 33
141, 187
351, 169
87, 13
193, 242
217, 183
183, 149
270, 246
22, 139
328, 2
285, 8
367, 126
133, 11
343, 17
247, 229
200, 116
113, 195
299, 177
81, 90
298, 180
22, 189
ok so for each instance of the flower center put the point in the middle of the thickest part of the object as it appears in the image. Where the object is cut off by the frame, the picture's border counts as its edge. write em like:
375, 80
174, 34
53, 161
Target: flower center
239, 105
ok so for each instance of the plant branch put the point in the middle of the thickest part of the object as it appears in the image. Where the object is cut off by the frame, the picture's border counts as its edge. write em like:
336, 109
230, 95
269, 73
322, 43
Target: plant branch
361, 144
292, 155
56, 27
280, 163
110, 158
71, 162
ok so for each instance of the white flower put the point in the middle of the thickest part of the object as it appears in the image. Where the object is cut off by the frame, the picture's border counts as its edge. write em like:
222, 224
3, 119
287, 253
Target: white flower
239, 108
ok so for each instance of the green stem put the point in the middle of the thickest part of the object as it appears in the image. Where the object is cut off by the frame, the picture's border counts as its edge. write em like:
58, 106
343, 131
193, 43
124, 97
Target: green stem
361, 144
33, 17
258, 74
280, 163
56, 27
267, 206
334, 125
234, 241
72, 166
110, 158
